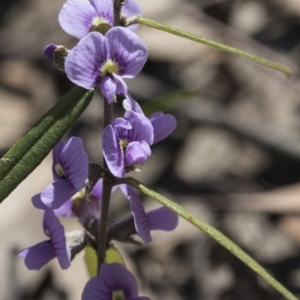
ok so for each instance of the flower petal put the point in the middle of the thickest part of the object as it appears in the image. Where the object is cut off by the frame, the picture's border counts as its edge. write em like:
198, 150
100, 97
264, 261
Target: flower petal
142, 129
127, 50
38, 255
74, 161
163, 124
112, 152
58, 239
37, 202
65, 210
117, 277
130, 104
83, 61
138, 212
131, 8
121, 86
76, 17
55, 195
96, 289
104, 9
136, 153
108, 88
162, 219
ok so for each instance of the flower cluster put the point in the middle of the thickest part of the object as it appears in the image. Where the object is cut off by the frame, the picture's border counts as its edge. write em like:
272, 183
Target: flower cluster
104, 55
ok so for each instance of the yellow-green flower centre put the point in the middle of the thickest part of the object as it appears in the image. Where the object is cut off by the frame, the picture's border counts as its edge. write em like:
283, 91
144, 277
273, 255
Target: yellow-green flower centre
59, 171
124, 143
118, 295
79, 195
109, 67
98, 21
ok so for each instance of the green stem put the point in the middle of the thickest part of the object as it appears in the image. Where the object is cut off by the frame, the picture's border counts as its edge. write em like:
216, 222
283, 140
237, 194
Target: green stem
199, 39
213, 233
106, 194
27, 153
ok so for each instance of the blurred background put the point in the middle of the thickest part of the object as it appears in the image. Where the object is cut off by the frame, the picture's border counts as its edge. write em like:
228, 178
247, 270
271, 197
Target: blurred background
234, 159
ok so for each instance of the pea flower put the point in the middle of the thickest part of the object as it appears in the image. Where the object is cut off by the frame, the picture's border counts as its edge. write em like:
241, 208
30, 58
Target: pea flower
70, 170
79, 17
113, 282
157, 219
126, 142
104, 61
40, 254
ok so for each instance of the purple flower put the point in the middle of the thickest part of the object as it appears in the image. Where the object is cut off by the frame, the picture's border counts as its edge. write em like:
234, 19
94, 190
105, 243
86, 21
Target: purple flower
158, 219
40, 254
89, 211
70, 170
79, 17
163, 124
103, 61
113, 280
126, 142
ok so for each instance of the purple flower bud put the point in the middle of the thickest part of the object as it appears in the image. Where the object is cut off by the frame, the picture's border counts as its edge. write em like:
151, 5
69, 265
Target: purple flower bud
49, 51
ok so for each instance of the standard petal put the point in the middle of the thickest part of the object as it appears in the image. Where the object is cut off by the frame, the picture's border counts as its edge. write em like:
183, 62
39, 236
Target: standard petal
142, 129
127, 50
162, 219
74, 162
117, 278
130, 104
56, 194
37, 255
58, 240
163, 124
108, 88
112, 152
131, 8
138, 212
76, 17
83, 61
104, 9
136, 153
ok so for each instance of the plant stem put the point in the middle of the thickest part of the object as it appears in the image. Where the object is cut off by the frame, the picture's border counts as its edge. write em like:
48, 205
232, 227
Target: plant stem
117, 11
107, 186
199, 39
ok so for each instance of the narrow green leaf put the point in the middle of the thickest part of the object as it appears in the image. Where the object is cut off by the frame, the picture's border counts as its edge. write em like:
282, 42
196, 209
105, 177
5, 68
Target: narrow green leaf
213, 233
199, 39
28, 152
